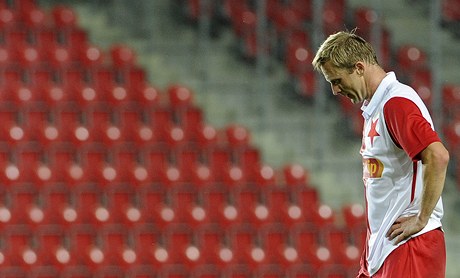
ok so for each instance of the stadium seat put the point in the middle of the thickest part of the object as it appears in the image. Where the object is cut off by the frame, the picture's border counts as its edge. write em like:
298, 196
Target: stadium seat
295, 175
8, 17
451, 100
34, 17
450, 13
210, 240
64, 16
275, 242
243, 245
123, 56
354, 215
57, 205
51, 246
178, 240
155, 207
410, 57
186, 206
306, 240
18, 248
116, 246
82, 239
90, 56
249, 205
281, 206
298, 56
123, 206
146, 239
218, 205
334, 16
285, 18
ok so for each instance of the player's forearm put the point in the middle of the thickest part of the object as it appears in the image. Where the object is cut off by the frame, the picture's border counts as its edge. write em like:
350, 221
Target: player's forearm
435, 160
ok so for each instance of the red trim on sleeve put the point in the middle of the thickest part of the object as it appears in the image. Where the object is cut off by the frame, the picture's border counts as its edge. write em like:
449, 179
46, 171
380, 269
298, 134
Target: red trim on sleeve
407, 126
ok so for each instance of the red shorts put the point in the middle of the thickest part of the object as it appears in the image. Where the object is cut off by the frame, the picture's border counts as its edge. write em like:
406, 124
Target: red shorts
421, 256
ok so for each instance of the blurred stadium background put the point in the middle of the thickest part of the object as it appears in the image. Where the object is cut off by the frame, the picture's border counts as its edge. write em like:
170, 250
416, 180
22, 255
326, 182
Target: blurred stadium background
190, 138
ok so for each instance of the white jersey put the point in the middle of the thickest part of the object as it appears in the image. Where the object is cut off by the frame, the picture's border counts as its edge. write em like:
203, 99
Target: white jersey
392, 178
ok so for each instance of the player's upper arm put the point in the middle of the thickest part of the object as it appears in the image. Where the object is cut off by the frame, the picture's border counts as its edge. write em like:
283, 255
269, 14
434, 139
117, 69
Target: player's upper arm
407, 126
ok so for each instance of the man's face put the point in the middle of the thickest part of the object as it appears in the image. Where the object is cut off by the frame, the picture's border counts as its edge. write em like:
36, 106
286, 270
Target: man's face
345, 82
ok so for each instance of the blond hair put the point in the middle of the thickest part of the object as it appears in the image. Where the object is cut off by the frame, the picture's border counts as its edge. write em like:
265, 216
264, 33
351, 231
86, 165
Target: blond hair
344, 49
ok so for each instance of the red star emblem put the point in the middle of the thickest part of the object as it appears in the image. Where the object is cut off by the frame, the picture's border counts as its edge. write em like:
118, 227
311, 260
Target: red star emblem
372, 133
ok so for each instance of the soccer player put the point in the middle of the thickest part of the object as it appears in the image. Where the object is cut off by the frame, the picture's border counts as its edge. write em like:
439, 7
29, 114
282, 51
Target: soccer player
404, 162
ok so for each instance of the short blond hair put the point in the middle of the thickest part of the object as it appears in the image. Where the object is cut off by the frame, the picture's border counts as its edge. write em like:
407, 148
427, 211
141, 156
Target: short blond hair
344, 49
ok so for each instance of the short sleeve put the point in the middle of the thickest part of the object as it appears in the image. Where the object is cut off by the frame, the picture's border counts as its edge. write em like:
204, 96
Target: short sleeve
407, 126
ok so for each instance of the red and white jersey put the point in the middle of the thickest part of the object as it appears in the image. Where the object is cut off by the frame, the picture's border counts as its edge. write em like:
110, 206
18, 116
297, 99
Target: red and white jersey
397, 128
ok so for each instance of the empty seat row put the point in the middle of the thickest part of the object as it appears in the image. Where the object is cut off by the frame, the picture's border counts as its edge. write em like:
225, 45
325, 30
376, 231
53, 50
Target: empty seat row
179, 245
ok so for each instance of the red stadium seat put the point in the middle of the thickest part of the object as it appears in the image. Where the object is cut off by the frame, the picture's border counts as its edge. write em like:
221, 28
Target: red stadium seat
22, 200
117, 248
354, 215
281, 206
285, 19
275, 241
13, 132
86, 249
364, 18
57, 206
178, 241
8, 17
123, 56
155, 207
334, 16
146, 243
186, 206
51, 245
295, 174
64, 16
218, 206
306, 241
250, 207
91, 56
243, 245
411, 57
34, 17
210, 239
451, 100
18, 248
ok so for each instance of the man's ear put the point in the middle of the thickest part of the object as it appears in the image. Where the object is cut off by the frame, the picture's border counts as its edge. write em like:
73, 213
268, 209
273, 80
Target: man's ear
359, 66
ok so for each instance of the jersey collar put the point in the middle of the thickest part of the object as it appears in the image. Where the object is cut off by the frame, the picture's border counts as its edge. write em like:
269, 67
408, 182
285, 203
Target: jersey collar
369, 106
